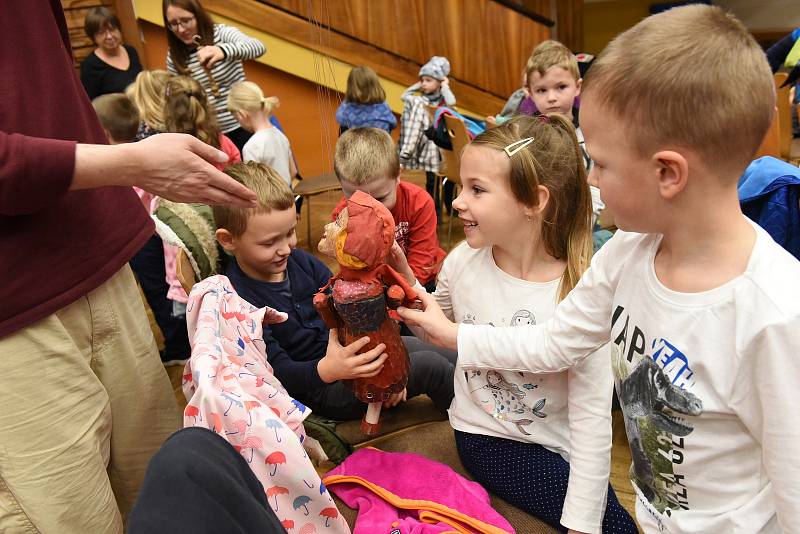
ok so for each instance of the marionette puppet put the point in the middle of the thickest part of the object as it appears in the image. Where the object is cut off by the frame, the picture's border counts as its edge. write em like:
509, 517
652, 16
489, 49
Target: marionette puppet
360, 295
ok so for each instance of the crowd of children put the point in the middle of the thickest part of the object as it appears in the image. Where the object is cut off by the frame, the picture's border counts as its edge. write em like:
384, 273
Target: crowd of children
690, 312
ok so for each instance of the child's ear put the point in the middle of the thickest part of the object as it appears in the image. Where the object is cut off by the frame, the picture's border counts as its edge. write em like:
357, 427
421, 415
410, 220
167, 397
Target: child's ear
544, 197
578, 84
225, 239
672, 173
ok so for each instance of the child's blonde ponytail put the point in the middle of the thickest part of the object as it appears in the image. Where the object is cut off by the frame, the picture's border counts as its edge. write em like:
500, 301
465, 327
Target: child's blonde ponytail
247, 97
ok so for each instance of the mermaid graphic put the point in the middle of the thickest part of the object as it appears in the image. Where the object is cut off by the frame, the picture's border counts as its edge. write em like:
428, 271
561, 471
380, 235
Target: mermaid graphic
506, 402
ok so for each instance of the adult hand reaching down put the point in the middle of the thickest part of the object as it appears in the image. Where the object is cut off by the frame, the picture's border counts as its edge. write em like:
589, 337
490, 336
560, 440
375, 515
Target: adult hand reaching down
177, 167
432, 323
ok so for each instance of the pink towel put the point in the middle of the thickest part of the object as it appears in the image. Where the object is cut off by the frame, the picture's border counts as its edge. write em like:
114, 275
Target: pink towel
404, 493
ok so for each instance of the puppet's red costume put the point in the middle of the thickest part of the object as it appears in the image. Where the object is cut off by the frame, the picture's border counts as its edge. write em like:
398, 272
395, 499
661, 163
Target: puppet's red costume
357, 304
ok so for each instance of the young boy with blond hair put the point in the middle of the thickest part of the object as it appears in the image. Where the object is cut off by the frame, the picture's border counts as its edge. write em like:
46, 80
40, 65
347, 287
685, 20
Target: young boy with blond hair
267, 270
701, 306
366, 160
118, 116
554, 83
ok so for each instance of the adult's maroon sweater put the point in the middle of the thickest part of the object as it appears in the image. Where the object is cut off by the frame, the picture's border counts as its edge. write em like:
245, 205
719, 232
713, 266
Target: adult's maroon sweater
55, 245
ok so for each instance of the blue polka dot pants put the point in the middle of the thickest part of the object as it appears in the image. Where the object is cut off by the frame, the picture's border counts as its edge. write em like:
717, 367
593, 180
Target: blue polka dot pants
531, 478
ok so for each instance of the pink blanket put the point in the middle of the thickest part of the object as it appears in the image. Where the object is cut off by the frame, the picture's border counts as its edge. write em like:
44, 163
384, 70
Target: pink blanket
404, 493
232, 391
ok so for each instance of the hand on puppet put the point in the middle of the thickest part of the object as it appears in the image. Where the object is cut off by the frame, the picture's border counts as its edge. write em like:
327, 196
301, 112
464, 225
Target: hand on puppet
360, 295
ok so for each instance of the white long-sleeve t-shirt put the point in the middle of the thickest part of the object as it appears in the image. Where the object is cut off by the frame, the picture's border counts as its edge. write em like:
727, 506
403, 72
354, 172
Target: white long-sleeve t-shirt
567, 412
707, 382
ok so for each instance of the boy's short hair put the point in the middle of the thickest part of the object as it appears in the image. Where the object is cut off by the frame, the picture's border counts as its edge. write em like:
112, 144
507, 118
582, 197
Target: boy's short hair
271, 191
364, 155
118, 115
548, 54
690, 77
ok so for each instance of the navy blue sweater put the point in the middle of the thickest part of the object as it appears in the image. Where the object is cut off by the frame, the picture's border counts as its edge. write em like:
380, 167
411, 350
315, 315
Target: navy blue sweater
294, 347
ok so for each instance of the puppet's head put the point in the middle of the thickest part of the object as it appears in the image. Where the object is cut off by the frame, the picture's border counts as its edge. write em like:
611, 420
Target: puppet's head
362, 234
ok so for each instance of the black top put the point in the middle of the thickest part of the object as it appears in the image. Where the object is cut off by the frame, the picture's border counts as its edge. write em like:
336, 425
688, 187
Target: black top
294, 347
100, 78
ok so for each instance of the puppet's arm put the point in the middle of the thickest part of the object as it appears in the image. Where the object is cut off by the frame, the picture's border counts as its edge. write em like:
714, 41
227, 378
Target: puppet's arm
323, 303
396, 296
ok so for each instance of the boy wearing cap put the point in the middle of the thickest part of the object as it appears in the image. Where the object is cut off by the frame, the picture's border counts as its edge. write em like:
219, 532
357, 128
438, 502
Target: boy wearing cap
433, 83
416, 150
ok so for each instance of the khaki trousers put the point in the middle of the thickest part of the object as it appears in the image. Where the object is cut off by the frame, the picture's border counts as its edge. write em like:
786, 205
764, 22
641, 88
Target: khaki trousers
84, 404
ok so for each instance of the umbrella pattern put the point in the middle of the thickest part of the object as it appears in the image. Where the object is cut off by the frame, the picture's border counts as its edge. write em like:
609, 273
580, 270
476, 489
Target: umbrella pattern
274, 459
252, 443
192, 411
232, 391
329, 513
275, 425
301, 502
239, 427
274, 491
250, 405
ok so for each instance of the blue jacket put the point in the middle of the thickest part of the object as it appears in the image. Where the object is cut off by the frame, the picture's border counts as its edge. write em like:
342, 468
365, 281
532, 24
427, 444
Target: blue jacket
294, 347
769, 192
379, 115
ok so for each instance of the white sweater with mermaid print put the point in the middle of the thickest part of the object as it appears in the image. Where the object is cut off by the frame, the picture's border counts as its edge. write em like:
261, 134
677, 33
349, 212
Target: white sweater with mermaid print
567, 412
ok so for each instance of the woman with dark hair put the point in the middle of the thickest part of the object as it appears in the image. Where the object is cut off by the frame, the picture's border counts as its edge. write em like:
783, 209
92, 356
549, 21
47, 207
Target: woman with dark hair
210, 53
113, 65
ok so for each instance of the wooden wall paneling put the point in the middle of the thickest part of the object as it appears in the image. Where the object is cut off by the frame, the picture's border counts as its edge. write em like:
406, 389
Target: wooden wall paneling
131, 32
569, 23
344, 48
418, 29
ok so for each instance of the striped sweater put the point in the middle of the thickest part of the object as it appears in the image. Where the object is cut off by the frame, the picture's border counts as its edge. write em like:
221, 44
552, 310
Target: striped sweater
238, 47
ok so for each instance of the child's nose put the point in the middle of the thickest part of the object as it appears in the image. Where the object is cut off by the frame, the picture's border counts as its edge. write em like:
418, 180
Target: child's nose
458, 202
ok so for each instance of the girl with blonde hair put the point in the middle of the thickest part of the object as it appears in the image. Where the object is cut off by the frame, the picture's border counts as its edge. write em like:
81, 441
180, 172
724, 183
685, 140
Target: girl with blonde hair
268, 145
540, 441
187, 111
147, 94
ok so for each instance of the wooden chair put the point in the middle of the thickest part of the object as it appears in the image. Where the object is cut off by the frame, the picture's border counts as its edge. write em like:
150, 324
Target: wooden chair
771, 145
310, 187
184, 271
448, 162
784, 115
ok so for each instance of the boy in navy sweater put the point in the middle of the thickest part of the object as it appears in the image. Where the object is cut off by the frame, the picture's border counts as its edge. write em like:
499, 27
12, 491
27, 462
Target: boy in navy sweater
267, 270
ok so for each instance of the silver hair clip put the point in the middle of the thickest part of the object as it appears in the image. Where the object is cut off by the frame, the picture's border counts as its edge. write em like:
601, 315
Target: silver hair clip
515, 147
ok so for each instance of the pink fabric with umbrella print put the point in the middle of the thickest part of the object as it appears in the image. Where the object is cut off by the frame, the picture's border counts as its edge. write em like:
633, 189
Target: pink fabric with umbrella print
232, 390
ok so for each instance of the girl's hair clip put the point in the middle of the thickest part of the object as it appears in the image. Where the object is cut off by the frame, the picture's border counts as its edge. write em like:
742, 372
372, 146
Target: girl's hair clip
515, 147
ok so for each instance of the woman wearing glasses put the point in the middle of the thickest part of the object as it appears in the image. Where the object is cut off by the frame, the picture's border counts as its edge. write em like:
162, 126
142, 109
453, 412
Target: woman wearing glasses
113, 65
210, 53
